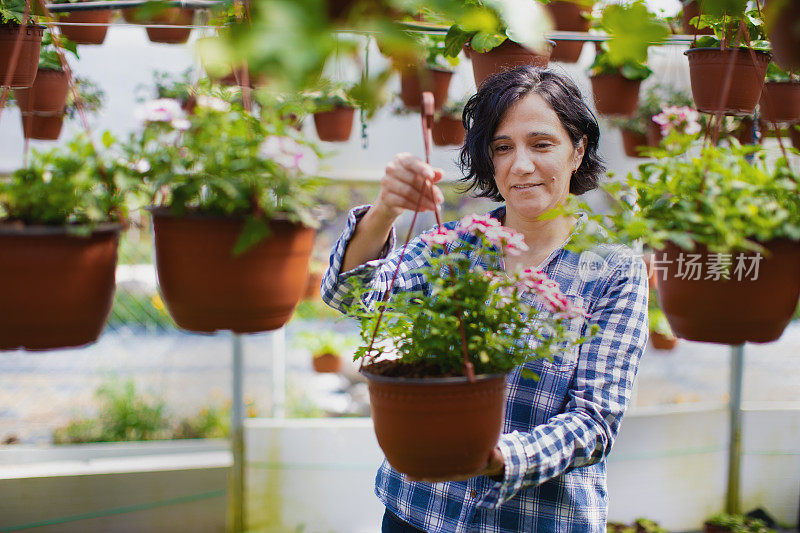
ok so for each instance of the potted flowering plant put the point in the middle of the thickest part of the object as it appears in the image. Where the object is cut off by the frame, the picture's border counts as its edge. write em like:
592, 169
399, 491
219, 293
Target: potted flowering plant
60, 219
231, 213
569, 16
725, 224
433, 74
437, 400
12, 24
156, 14
447, 126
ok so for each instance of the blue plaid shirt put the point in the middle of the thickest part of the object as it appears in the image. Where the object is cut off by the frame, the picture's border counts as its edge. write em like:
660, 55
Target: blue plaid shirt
558, 429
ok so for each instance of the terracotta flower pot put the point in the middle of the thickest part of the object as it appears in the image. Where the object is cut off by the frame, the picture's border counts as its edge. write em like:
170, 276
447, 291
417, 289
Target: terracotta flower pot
334, 125
447, 131
437, 427
130, 15
313, 286
505, 57
48, 94
42, 128
653, 134
172, 16
662, 342
206, 288
780, 101
28, 59
615, 94
327, 363
691, 10
567, 17
86, 34
784, 35
57, 288
414, 81
631, 141
736, 310
708, 69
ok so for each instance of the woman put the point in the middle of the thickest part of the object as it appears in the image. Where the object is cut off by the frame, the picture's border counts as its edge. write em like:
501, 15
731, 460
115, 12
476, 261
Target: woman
531, 140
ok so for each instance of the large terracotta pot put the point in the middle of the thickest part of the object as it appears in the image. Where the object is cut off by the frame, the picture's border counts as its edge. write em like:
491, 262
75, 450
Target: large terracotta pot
505, 57
780, 101
447, 131
437, 427
567, 16
172, 16
327, 363
662, 342
615, 95
206, 288
733, 311
632, 140
691, 10
784, 35
86, 34
28, 59
57, 288
334, 125
414, 81
708, 69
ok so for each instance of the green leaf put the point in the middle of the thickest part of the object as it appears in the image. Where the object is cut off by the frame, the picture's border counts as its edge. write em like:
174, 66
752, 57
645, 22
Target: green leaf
633, 30
483, 42
254, 231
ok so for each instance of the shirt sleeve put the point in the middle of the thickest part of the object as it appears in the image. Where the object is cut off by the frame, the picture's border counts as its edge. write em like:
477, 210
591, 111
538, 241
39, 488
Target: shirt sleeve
584, 432
377, 274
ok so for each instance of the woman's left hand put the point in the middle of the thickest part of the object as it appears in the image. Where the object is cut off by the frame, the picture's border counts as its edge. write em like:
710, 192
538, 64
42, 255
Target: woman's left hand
495, 467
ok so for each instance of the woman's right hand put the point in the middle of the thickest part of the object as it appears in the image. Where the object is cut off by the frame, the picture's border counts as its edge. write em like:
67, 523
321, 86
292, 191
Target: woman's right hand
406, 178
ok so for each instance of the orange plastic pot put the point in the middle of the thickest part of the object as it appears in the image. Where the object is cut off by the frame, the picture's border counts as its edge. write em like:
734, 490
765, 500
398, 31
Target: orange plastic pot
28, 60
632, 140
504, 57
57, 288
437, 427
206, 288
567, 17
414, 81
733, 311
87, 34
327, 363
708, 70
334, 125
780, 101
447, 131
662, 342
42, 128
615, 95
172, 16
48, 94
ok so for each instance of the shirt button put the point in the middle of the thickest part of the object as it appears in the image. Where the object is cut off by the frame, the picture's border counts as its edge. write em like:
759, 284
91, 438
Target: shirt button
473, 493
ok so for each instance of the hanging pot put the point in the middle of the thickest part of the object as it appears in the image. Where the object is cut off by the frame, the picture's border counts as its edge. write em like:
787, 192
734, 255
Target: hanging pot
662, 342
653, 133
780, 101
327, 363
784, 35
28, 59
206, 288
708, 69
632, 140
86, 34
130, 15
334, 125
171, 16
733, 311
42, 128
57, 288
567, 16
437, 427
615, 95
48, 94
413, 81
505, 57
447, 131
744, 133
691, 10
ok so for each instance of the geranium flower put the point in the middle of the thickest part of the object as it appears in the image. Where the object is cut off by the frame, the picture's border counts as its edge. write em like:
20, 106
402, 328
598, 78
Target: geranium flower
475, 224
440, 237
507, 239
160, 110
681, 119
290, 154
537, 282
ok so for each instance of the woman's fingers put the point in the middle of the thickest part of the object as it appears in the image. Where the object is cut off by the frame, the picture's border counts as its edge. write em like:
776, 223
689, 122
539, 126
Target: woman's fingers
406, 178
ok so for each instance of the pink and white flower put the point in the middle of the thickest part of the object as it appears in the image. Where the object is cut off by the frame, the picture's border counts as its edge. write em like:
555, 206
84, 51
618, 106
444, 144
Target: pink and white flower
161, 110
681, 119
290, 154
441, 236
497, 234
475, 224
537, 282
212, 102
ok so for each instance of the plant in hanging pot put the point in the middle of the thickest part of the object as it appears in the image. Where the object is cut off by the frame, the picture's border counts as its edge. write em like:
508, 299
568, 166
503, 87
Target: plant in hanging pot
154, 15
59, 230
782, 18
42, 106
448, 129
734, 523
727, 237
12, 24
780, 99
616, 86
690, 16
333, 114
724, 65
507, 35
327, 350
437, 395
231, 214
433, 74
569, 16
86, 26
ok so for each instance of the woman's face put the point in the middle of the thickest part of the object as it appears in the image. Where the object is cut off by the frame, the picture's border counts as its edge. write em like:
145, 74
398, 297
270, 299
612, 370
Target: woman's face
533, 157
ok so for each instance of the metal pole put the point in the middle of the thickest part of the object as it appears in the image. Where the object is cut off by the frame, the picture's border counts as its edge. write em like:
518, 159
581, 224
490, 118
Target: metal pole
278, 373
237, 504
732, 504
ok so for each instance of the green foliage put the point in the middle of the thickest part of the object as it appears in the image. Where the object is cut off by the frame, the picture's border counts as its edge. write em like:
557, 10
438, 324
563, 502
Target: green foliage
211, 422
325, 342
137, 309
739, 523
13, 11
727, 29
454, 108
76, 185
605, 64
48, 55
633, 29
644, 525
168, 85
91, 95
777, 74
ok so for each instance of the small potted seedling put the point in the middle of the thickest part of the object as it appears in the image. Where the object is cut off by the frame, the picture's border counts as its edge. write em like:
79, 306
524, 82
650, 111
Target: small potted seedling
327, 350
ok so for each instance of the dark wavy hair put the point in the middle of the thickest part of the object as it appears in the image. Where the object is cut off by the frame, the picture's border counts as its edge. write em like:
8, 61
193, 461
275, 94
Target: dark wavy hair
485, 110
